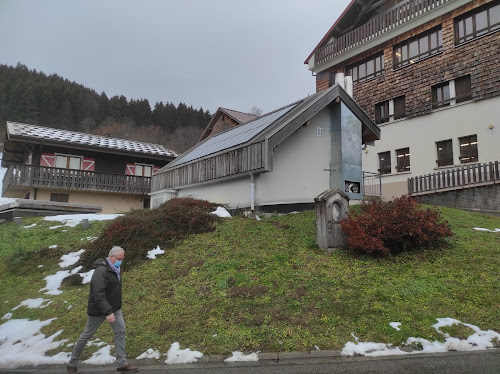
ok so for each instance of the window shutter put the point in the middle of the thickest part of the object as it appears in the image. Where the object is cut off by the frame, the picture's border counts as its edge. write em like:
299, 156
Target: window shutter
48, 159
88, 164
399, 107
130, 169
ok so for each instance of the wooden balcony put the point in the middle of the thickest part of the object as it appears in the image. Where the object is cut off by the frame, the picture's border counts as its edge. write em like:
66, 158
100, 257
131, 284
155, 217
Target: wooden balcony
398, 15
78, 180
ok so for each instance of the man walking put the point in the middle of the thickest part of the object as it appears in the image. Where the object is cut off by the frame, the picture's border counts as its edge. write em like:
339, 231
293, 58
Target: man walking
105, 302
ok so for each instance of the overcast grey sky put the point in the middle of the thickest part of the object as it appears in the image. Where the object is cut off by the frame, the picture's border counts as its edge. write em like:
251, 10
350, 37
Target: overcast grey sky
206, 53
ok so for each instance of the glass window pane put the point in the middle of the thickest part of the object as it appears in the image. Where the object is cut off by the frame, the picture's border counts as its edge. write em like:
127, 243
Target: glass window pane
138, 169
424, 45
481, 23
370, 68
469, 31
444, 153
362, 71
413, 49
75, 163
147, 171
61, 162
384, 159
495, 17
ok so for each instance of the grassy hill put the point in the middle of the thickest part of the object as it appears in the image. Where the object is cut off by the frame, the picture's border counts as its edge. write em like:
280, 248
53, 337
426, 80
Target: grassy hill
264, 285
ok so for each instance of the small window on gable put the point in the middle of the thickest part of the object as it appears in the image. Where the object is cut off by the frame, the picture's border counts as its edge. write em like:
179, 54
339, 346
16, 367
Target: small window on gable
444, 153
477, 23
403, 160
468, 149
384, 162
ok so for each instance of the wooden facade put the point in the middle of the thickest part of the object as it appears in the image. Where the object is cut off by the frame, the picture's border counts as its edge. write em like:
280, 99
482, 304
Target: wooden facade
79, 180
401, 13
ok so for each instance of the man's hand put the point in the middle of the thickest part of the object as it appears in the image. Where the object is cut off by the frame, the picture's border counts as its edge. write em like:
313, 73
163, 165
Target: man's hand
110, 318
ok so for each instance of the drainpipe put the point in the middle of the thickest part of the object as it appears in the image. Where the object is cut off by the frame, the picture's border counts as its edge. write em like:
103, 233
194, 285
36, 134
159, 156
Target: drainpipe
252, 192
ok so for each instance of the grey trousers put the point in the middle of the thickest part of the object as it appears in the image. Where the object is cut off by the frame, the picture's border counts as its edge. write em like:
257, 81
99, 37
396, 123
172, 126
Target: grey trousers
93, 323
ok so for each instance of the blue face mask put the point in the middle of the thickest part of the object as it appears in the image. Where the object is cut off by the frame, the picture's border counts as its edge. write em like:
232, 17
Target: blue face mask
117, 264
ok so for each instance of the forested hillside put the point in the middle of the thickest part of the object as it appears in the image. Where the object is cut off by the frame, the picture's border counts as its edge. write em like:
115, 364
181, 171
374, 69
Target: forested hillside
33, 97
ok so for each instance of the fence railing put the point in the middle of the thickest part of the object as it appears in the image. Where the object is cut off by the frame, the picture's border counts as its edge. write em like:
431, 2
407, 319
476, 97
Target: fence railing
399, 14
40, 176
463, 177
372, 184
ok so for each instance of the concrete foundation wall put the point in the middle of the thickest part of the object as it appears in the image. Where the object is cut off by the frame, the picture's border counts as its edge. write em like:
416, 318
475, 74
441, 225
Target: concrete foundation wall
482, 198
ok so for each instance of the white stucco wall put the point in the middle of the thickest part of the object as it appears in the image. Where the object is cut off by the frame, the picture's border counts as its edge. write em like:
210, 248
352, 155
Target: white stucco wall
420, 134
298, 172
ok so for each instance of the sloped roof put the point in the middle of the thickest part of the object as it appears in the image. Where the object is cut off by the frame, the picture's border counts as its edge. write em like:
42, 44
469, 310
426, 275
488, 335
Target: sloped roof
236, 116
26, 133
274, 127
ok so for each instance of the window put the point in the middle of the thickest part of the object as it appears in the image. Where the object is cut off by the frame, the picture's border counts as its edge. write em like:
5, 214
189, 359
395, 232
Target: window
68, 162
390, 110
444, 153
478, 22
418, 48
384, 161
462, 89
367, 69
143, 170
452, 92
468, 149
59, 197
403, 160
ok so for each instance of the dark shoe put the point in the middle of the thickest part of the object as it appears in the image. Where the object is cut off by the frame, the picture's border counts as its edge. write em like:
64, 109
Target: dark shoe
127, 369
72, 370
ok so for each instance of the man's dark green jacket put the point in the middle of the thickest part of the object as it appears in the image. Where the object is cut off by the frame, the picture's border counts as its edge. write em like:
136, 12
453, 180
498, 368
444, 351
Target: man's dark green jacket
105, 295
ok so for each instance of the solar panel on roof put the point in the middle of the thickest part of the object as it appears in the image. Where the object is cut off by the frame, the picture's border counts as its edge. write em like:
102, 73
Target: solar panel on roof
236, 136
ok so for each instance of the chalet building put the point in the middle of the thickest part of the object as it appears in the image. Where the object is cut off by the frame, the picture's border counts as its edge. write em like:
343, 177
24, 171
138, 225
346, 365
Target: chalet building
225, 119
428, 73
279, 161
67, 167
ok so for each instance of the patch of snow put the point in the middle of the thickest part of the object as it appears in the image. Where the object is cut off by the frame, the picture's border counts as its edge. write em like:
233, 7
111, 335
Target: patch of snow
34, 303
54, 282
87, 277
74, 219
395, 325
71, 258
69, 307
76, 270
27, 227
53, 246
7, 316
177, 356
55, 227
22, 343
101, 357
221, 212
40, 266
482, 229
150, 353
154, 252
369, 349
240, 356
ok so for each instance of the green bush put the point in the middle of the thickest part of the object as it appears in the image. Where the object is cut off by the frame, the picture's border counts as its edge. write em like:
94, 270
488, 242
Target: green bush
393, 227
140, 231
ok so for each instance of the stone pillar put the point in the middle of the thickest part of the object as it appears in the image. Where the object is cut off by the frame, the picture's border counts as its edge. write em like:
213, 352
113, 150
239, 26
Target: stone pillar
331, 207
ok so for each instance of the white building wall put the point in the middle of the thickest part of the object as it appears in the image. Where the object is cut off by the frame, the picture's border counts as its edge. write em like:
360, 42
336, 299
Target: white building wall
421, 133
300, 172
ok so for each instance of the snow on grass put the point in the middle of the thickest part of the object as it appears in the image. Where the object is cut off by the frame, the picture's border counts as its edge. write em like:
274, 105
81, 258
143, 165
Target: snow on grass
395, 325
54, 282
29, 226
71, 258
154, 252
240, 356
150, 353
34, 303
72, 220
483, 229
221, 212
87, 277
101, 357
185, 356
22, 343
480, 340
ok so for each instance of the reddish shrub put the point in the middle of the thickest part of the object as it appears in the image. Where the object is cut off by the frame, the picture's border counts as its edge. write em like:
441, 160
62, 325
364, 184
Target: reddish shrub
140, 231
394, 226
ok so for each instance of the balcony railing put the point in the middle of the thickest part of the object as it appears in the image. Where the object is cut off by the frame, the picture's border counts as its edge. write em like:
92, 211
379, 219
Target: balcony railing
463, 177
387, 21
372, 184
80, 180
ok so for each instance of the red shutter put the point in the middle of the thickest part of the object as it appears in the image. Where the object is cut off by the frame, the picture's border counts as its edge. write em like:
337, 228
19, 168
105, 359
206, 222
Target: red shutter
130, 169
88, 164
48, 159
156, 169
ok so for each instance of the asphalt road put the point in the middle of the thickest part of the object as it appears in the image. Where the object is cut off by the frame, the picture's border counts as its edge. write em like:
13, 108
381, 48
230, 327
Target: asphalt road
480, 362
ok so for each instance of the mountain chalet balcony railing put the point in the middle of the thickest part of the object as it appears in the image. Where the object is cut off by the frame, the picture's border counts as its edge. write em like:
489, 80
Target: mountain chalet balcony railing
396, 16
81, 180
